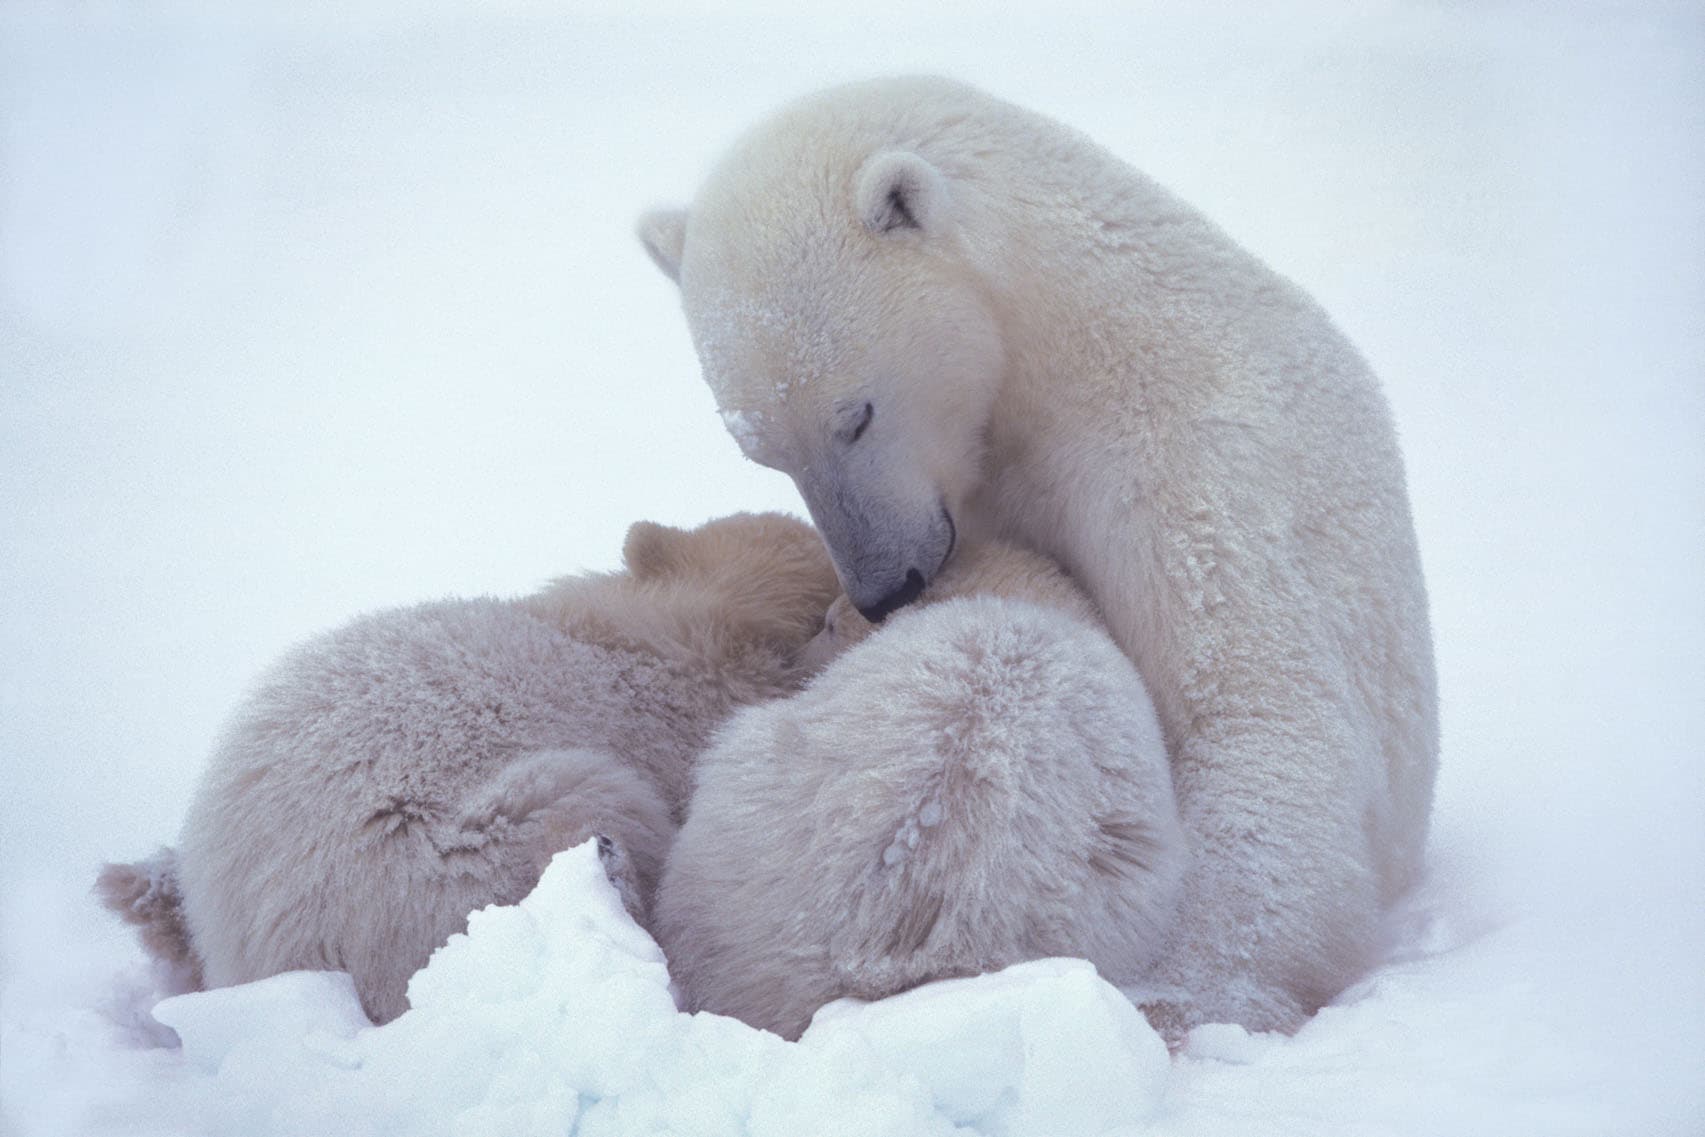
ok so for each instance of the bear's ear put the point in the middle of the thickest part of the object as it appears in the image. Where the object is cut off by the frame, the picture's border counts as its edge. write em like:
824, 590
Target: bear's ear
898, 190
663, 232
651, 550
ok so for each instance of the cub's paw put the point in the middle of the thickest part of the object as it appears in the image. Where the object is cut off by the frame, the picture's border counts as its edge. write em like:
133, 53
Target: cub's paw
619, 868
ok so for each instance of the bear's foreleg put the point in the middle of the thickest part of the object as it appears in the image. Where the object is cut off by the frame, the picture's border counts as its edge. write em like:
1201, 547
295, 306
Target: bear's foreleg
1280, 905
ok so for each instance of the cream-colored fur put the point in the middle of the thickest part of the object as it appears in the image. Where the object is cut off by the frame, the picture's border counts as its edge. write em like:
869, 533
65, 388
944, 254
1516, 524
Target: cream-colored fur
946, 316
386, 779
979, 782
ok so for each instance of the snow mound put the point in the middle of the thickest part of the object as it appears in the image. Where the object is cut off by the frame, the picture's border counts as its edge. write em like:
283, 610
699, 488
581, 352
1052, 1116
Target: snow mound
556, 1016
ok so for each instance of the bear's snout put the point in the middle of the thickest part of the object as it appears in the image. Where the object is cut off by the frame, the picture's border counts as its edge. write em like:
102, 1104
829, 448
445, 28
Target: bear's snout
910, 590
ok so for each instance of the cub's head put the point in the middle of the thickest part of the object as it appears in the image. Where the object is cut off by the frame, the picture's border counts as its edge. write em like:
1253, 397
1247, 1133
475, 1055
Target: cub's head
991, 568
753, 578
826, 277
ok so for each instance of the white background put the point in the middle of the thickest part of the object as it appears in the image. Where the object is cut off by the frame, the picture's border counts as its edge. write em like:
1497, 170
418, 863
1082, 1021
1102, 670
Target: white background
308, 312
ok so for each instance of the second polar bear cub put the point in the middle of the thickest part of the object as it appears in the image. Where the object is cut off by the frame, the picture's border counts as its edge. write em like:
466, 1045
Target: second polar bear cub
387, 779
979, 782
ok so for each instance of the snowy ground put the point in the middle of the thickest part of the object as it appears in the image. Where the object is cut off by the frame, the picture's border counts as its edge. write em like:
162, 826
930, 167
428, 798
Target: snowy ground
311, 311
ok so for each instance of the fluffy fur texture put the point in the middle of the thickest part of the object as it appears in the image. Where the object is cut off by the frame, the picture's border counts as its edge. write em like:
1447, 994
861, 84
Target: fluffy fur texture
392, 776
982, 782
942, 314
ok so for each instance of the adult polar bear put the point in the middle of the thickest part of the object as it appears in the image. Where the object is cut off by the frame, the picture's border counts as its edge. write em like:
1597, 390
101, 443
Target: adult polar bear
938, 313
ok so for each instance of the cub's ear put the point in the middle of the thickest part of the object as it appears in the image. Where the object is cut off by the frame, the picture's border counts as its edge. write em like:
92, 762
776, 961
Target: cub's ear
898, 190
663, 232
651, 550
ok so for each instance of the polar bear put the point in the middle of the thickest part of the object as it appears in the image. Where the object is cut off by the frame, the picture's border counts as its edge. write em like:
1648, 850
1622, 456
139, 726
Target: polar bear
386, 779
941, 315
979, 783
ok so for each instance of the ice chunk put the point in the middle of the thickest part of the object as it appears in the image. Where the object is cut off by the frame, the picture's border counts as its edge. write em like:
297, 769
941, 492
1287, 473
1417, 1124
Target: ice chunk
1040, 1048
250, 1027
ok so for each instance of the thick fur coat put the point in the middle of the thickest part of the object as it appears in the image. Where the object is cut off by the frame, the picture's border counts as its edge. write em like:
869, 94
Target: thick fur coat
980, 782
388, 778
944, 315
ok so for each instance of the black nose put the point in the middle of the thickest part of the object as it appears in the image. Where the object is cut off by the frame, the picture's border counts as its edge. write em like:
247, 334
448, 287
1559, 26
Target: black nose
899, 598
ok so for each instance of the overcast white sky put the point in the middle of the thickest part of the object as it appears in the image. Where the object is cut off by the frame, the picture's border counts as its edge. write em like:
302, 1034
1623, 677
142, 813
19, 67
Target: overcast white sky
304, 313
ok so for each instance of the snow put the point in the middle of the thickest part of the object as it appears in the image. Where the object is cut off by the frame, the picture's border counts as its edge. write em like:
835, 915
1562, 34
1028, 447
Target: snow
310, 309
906, 837
555, 1016
745, 427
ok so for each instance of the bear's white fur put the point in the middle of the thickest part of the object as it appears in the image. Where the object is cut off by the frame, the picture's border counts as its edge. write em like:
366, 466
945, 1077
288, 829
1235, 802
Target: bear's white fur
939, 313
979, 783
388, 778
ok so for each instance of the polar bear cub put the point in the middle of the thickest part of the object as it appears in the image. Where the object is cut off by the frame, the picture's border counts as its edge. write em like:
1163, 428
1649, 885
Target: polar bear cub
981, 781
388, 778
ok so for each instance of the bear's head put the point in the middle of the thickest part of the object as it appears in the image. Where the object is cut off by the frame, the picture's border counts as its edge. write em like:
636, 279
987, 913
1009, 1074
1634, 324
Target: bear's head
747, 580
737, 598
826, 274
